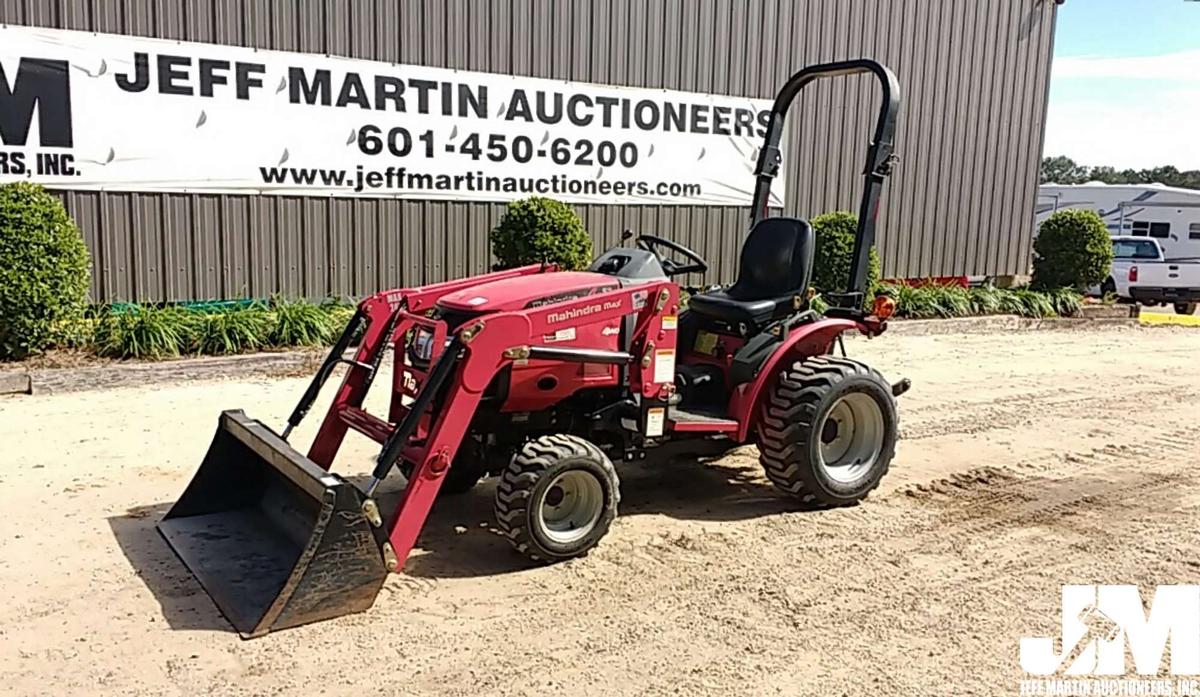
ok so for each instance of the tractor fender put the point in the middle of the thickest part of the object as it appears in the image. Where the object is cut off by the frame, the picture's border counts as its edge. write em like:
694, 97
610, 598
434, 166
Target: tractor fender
809, 340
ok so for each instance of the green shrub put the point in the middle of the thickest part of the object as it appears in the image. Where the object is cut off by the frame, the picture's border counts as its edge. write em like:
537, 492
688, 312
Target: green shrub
1067, 302
941, 301
535, 230
1034, 303
934, 300
929, 300
904, 295
835, 234
339, 313
1073, 250
1011, 303
302, 324
985, 300
73, 333
44, 269
146, 332
232, 331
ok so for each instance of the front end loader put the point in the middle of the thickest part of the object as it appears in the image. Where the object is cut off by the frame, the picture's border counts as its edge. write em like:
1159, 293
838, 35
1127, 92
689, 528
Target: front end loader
542, 378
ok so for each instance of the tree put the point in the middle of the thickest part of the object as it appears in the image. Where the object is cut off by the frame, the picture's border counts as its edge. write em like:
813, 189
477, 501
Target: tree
1062, 170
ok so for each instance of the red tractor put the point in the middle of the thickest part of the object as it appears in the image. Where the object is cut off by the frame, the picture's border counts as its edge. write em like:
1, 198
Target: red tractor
543, 378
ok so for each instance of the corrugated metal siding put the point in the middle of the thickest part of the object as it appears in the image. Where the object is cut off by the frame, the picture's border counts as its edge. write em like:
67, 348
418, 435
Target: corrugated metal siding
974, 78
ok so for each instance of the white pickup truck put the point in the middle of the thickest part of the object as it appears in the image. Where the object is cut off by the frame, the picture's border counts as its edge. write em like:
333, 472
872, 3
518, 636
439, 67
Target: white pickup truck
1140, 273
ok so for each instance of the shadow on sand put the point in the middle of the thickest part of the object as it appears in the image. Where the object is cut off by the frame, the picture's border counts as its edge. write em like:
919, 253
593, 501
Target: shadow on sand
184, 603
460, 540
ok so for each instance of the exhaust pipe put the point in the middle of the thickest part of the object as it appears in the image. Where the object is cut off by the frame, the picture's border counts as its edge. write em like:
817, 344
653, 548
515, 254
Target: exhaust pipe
275, 540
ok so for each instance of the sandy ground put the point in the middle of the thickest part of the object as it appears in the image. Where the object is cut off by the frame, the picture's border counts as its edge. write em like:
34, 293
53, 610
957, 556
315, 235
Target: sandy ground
1027, 461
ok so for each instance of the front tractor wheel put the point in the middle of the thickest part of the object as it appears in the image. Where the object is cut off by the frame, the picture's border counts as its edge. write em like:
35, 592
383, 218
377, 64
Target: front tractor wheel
827, 431
557, 498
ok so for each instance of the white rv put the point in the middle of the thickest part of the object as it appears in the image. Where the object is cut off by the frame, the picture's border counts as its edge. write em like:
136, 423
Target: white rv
1168, 214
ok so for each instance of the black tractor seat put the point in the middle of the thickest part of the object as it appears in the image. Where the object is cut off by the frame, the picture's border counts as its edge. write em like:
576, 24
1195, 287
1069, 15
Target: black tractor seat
775, 269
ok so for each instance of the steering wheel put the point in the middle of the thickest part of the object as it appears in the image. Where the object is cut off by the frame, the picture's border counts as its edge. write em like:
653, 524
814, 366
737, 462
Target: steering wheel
649, 242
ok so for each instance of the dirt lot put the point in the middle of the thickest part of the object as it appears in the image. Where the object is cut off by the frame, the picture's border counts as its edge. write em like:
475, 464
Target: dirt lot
1028, 460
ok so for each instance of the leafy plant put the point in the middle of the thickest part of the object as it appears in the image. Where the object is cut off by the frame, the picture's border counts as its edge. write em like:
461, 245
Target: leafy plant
339, 313
835, 233
1034, 303
1011, 304
985, 300
535, 230
929, 300
45, 270
145, 332
1067, 302
302, 324
943, 301
73, 333
904, 295
1073, 249
232, 331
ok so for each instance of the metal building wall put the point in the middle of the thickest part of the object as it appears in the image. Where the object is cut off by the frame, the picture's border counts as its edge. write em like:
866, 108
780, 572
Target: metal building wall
974, 79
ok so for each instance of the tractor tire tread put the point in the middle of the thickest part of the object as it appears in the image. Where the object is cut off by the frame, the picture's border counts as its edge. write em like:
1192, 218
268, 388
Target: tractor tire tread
517, 482
787, 420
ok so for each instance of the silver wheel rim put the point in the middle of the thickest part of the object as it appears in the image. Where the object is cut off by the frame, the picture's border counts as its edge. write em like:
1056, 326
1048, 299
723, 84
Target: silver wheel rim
851, 437
570, 506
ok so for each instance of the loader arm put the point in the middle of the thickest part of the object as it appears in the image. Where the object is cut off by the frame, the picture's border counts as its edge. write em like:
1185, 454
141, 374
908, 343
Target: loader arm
480, 350
378, 313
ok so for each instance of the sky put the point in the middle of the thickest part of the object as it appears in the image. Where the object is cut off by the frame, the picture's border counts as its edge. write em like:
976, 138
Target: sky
1125, 86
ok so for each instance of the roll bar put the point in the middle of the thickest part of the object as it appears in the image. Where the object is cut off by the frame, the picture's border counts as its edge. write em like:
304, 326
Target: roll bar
880, 161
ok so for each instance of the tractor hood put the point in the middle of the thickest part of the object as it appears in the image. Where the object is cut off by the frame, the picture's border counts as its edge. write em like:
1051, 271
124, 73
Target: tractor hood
526, 291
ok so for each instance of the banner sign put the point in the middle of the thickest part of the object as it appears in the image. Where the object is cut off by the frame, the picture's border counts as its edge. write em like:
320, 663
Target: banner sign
122, 113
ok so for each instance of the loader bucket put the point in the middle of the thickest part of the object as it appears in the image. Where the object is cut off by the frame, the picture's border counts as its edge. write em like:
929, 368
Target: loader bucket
275, 540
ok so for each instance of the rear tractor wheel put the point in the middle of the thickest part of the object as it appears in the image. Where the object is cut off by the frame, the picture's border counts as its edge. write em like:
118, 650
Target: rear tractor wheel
827, 431
557, 498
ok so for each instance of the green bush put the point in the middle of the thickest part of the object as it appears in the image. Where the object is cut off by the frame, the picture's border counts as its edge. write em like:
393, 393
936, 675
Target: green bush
535, 230
44, 269
149, 332
1034, 303
1072, 250
986, 300
932, 300
301, 324
232, 331
74, 333
835, 234
146, 332
1067, 302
